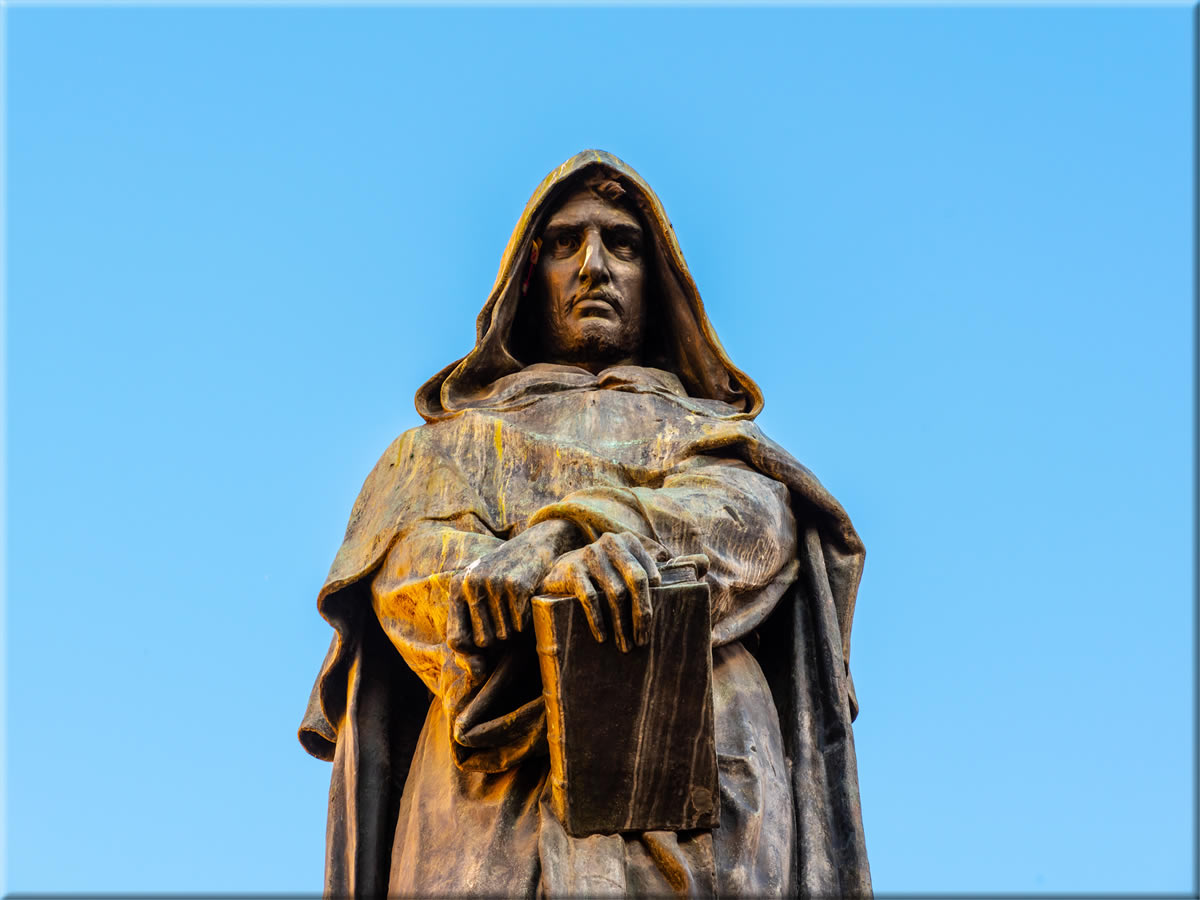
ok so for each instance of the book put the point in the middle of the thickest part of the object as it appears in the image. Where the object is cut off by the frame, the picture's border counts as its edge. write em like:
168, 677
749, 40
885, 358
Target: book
631, 735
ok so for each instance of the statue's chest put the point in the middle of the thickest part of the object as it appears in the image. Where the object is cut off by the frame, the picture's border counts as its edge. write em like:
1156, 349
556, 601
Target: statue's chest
624, 427
580, 441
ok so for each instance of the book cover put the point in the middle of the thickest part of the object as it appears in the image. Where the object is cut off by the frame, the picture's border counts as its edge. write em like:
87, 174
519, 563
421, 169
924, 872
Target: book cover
631, 734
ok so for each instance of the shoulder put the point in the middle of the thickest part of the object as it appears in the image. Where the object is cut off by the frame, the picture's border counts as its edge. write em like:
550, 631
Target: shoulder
382, 504
403, 456
411, 448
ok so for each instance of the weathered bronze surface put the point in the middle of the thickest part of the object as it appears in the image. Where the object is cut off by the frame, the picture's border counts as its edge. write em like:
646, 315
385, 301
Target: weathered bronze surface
631, 733
596, 431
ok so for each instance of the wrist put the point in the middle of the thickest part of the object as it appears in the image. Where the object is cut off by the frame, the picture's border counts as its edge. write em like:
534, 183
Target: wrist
556, 536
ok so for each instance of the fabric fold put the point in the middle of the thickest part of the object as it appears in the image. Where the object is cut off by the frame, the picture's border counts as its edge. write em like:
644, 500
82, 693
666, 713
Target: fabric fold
422, 737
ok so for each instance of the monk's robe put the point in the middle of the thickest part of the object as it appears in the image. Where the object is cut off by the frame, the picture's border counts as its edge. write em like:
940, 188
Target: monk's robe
440, 765
627, 451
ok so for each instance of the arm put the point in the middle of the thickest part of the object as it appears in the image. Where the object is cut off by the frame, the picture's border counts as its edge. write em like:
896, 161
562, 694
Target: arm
737, 517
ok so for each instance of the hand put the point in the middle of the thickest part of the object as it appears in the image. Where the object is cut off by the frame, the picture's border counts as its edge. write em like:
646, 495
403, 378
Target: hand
489, 600
615, 572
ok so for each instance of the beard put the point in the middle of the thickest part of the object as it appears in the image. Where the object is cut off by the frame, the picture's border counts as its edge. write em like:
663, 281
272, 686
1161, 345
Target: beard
604, 341
551, 329
599, 341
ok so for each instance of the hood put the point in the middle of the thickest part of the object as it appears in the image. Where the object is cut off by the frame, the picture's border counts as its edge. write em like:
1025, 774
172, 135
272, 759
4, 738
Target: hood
681, 341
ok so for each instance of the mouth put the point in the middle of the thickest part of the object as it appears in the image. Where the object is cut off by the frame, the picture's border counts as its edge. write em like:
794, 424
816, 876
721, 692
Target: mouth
596, 303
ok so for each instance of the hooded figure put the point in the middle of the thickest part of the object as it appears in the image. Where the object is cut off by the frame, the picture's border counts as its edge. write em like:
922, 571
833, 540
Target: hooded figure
438, 744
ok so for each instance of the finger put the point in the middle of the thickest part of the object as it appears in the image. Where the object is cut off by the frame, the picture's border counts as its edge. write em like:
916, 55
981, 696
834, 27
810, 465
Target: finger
495, 603
699, 560
612, 585
637, 583
480, 618
458, 623
581, 586
642, 555
517, 598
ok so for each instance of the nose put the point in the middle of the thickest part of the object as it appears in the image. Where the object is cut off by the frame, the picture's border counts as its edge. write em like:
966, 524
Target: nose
594, 268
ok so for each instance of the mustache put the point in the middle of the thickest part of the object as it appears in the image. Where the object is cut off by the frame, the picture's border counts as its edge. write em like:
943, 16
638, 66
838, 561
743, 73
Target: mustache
607, 294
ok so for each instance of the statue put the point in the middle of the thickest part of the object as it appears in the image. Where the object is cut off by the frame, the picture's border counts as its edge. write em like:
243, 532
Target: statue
596, 432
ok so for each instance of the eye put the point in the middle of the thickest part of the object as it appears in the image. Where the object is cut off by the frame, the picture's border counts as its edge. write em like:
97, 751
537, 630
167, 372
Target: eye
623, 243
564, 243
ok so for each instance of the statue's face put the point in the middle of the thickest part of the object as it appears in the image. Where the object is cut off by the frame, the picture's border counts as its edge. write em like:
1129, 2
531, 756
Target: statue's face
591, 275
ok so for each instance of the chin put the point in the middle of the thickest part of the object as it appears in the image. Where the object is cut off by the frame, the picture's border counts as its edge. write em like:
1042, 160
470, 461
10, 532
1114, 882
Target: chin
603, 340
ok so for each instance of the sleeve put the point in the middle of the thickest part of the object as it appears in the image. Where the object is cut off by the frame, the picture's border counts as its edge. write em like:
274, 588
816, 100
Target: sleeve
738, 517
492, 701
410, 593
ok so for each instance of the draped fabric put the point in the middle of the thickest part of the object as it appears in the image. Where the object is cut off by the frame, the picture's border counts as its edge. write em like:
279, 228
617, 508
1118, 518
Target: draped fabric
440, 758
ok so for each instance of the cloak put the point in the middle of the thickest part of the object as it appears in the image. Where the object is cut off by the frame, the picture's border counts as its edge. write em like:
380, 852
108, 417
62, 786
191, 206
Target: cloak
368, 705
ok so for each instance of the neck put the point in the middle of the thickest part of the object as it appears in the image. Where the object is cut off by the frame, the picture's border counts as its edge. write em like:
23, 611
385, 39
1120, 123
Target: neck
592, 364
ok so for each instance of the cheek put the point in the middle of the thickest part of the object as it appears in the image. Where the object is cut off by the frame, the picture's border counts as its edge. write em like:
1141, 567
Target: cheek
551, 306
632, 281
556, 281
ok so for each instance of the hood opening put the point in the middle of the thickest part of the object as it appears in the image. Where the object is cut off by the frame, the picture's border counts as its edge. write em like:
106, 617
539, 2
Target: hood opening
678, 336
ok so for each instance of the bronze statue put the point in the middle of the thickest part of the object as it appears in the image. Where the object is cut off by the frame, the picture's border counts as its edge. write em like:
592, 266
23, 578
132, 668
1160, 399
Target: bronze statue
596, 432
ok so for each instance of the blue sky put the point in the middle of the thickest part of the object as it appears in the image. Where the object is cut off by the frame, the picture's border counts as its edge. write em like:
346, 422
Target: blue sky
953, 245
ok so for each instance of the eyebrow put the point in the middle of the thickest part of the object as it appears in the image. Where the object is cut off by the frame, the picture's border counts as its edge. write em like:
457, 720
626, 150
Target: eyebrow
625, 230
608, 222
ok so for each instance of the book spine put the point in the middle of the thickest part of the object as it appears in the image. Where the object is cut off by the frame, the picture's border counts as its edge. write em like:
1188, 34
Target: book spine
546, 630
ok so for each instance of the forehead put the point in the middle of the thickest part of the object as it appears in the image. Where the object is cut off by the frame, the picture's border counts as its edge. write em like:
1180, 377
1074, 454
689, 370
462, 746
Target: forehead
585, 208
